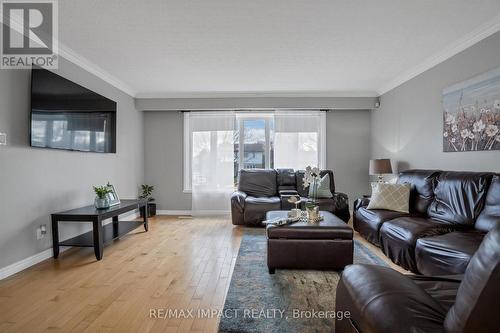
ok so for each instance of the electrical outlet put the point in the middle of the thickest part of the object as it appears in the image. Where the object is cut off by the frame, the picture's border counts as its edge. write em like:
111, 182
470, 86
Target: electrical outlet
3, 139
41, 231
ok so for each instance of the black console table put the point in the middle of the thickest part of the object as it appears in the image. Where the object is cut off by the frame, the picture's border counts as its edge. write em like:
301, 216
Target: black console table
100, 234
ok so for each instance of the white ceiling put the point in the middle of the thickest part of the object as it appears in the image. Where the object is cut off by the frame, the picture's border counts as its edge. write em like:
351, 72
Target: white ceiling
168, 48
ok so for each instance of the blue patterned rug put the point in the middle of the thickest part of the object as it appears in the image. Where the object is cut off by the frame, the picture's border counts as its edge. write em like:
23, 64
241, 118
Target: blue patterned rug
284, 302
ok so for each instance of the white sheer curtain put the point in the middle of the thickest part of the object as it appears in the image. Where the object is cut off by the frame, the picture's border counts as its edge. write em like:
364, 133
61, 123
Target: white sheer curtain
299, 139
212, 161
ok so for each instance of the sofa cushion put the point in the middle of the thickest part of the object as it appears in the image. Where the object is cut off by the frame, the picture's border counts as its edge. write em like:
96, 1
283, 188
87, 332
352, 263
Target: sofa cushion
447, 254
304, 192
398, 238
490, 215
258, 182
322, 188
256, 208
395, 197
368, 222
459, 196
381, 299
422, 188
286, 179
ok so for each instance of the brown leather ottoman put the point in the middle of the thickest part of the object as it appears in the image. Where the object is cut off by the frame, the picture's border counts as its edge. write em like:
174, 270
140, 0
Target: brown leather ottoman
327, 244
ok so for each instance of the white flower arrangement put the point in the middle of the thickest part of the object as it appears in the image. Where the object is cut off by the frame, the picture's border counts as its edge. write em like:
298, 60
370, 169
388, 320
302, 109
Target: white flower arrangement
311, 175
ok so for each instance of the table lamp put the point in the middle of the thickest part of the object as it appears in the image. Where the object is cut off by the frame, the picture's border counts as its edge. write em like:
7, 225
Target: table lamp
379, 167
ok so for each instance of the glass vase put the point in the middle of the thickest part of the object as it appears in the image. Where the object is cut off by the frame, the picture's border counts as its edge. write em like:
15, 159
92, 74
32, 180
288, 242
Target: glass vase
101, 203
312, 213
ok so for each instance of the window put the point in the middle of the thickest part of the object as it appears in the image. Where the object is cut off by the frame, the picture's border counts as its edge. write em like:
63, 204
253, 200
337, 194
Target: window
220, 143
255, 135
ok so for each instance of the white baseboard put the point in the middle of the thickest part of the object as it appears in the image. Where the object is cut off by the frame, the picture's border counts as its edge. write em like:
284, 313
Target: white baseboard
190, 213
28, 262
46, 254
212, 212
173, 212
130, 216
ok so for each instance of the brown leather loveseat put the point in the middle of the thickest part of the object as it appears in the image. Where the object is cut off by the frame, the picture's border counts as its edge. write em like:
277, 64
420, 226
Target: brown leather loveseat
450, 213
263, 190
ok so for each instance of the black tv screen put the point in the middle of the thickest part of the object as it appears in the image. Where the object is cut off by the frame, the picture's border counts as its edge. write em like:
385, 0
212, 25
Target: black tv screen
65, 115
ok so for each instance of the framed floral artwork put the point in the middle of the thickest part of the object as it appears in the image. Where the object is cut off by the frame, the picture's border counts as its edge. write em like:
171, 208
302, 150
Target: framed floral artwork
471, 114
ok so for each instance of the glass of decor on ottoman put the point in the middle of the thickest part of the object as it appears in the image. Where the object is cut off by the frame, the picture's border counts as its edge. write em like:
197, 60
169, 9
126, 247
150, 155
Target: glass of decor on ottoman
294, 212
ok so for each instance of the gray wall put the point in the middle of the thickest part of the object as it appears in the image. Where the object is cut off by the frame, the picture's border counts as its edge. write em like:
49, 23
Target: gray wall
348, 150
348, 144
163, 138
38, 182
408, 125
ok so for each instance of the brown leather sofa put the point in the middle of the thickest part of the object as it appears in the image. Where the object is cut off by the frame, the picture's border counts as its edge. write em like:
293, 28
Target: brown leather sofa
263, 190
450, 212
380, 299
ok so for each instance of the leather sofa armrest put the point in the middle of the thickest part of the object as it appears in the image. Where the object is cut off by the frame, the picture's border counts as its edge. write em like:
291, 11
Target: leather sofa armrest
238, 199
361, 202
381, 299
341, 204
238, 207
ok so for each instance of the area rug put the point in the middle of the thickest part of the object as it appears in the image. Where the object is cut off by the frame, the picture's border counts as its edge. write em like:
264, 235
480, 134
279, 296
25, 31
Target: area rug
283, 302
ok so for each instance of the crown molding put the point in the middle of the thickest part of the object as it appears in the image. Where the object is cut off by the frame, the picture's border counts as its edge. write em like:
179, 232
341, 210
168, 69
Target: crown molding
263, 94
483, 31
82, 62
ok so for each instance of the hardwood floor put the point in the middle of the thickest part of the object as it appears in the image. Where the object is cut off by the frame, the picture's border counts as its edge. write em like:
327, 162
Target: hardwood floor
180, 263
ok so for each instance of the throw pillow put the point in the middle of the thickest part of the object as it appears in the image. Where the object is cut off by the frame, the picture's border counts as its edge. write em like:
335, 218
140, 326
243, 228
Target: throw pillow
394, 197
323, 188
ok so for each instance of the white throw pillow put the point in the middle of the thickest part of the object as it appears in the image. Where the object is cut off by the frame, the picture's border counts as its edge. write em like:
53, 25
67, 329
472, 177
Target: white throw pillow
394, 197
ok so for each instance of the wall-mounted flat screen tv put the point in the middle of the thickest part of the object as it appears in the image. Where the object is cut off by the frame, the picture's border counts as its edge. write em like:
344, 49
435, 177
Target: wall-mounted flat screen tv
65, 115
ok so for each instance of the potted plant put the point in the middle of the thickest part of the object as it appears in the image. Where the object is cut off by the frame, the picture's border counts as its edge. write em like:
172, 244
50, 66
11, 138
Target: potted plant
311, 179
146, 192
101, 200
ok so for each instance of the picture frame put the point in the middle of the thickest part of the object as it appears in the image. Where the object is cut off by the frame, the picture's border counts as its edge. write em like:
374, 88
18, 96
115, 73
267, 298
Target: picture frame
471, 114
112, 196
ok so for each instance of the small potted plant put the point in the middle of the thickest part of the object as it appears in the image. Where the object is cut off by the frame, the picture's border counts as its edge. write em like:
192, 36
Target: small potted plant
146, 192
101, 200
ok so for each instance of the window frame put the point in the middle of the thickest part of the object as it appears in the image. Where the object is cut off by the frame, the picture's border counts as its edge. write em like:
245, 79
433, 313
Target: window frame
240, 117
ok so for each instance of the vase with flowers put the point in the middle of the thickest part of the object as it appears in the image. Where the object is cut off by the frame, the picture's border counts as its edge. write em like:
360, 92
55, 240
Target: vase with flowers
311, 180
101, 200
